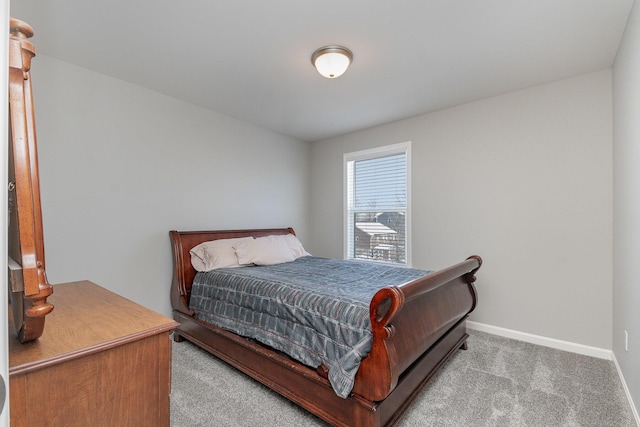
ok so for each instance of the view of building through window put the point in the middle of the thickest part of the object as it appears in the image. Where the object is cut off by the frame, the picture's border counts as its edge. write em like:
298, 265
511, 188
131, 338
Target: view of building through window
377, 201
380, 236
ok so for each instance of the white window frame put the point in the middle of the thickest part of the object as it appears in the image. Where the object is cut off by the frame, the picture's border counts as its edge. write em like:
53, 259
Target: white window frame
387, 150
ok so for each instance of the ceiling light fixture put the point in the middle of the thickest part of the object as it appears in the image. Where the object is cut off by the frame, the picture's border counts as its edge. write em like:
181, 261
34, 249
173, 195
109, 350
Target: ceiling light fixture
332, 61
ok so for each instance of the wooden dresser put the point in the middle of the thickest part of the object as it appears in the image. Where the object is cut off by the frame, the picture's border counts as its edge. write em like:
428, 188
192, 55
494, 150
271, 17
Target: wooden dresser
102, 361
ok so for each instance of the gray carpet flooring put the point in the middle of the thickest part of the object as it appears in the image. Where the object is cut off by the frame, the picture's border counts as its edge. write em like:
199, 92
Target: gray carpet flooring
497, 382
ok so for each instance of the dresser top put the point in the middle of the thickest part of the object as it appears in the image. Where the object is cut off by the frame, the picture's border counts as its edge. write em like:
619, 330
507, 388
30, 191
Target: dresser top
86, 319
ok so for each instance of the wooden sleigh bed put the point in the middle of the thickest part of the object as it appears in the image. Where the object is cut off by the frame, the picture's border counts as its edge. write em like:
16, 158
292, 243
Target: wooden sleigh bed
416, 328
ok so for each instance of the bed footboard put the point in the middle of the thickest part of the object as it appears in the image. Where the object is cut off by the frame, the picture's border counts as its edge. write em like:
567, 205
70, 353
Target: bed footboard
407, 320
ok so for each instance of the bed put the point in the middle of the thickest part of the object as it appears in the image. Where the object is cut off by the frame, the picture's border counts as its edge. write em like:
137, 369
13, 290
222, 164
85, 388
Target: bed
415, 328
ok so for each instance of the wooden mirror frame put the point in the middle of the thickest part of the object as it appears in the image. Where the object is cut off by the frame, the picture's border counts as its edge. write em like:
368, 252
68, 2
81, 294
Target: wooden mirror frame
28, 285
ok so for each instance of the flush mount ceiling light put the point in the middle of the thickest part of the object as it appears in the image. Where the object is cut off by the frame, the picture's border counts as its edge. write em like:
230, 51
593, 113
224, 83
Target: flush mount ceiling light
332, 61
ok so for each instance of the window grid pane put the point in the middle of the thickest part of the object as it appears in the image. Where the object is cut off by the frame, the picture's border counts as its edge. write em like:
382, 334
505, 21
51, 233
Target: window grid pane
381, 182
377, 206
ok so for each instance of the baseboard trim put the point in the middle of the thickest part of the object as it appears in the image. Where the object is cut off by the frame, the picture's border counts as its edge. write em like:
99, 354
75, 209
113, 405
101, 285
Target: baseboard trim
586, 350
626, 390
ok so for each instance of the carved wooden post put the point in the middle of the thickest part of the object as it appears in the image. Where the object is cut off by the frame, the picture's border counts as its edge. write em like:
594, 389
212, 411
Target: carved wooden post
29, 286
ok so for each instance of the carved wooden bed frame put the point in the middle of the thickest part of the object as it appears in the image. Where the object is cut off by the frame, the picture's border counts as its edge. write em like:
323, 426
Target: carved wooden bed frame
29, 288
416, 328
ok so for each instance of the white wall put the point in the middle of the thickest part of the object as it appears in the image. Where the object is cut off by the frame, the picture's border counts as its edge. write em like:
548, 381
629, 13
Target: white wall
120, 166
626, 162
524, 180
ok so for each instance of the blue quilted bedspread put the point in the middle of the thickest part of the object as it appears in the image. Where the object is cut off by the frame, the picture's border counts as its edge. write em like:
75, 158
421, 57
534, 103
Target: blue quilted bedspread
314, 309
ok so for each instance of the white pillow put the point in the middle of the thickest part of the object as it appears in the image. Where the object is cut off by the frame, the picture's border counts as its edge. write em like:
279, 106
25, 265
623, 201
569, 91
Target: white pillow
267, 250
216, 254
295, 246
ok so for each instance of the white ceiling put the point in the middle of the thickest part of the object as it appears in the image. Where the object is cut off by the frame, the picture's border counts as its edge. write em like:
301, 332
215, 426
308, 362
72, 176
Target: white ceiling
250, 59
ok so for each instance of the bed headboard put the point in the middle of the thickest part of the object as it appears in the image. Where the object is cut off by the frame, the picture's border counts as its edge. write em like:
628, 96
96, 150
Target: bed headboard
183, 271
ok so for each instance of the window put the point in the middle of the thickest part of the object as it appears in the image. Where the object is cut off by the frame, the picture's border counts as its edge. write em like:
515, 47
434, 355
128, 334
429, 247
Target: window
377, 204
